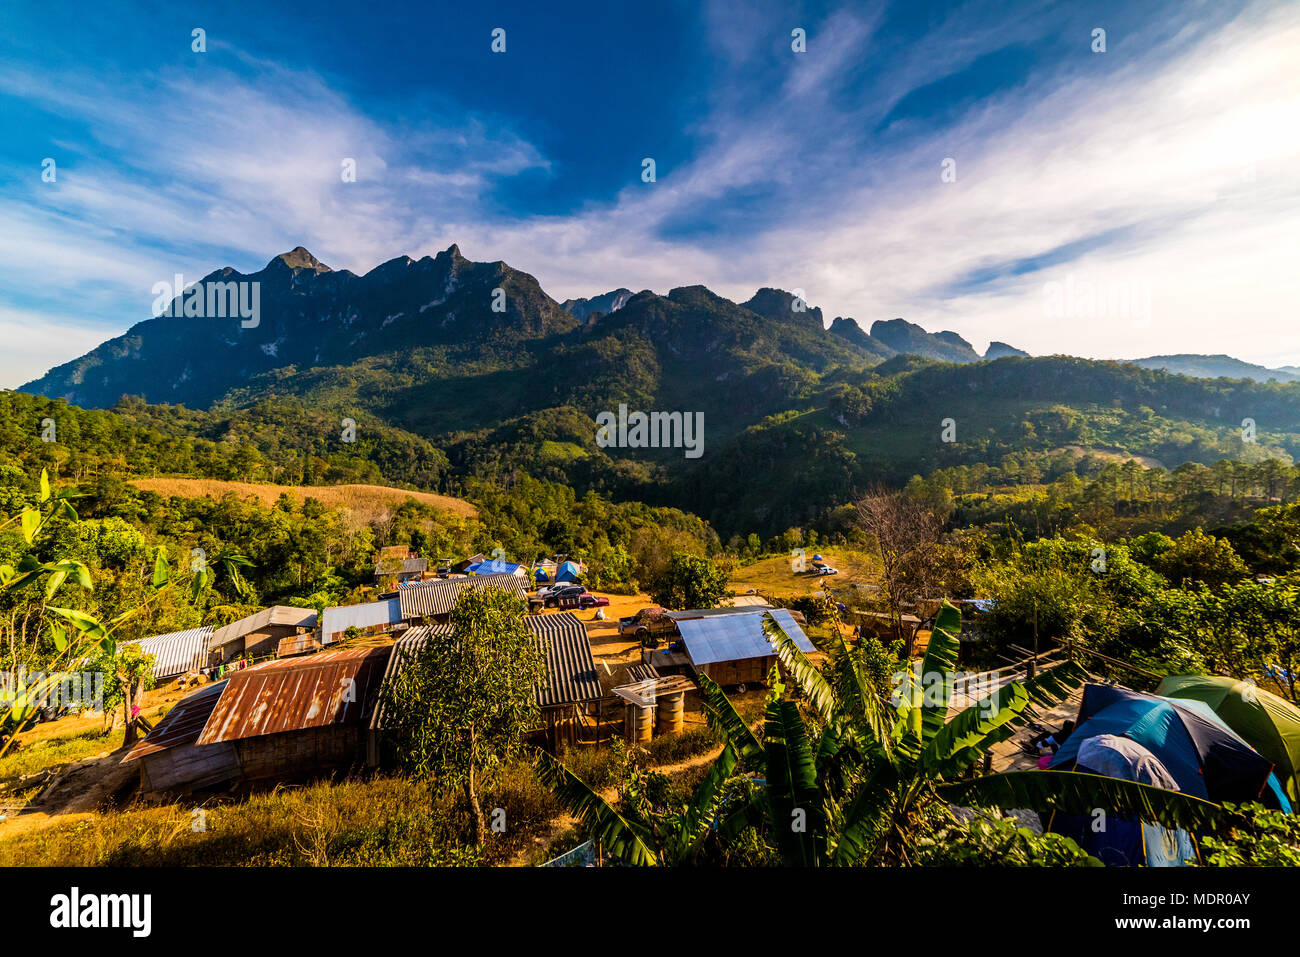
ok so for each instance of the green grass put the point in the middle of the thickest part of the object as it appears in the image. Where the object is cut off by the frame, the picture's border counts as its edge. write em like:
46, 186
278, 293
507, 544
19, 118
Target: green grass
376, 821
56, 750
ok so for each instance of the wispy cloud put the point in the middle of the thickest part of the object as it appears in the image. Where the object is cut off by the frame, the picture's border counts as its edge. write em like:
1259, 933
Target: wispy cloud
1165, 163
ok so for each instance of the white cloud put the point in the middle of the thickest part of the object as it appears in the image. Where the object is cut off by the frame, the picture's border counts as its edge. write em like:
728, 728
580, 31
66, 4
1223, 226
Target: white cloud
1184, 156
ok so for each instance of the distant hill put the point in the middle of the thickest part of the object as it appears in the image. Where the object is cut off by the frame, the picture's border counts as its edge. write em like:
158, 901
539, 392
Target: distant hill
1215, 367
907, 337
1000, 350
367, 502
597, 305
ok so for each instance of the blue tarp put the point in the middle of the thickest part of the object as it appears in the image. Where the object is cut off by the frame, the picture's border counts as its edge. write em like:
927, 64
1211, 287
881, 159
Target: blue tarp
494, 566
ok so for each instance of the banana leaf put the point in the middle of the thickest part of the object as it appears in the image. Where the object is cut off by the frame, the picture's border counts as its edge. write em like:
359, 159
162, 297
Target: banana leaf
795, 799
1073, 792
631, 843
726, 720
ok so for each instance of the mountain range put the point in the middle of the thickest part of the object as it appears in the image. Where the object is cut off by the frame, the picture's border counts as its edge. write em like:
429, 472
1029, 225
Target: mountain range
476, 362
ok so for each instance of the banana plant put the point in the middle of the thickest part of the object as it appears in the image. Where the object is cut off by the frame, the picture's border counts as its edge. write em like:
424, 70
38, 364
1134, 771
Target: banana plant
855, 789
895, 760
682, 836
76, 634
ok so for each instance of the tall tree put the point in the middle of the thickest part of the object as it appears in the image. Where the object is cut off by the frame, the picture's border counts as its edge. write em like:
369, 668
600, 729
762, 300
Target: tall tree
460, 705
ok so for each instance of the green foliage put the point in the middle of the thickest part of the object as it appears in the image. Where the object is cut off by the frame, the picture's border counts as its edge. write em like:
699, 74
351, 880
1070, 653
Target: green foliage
1257, 837
461, 704
992, 840
690, 581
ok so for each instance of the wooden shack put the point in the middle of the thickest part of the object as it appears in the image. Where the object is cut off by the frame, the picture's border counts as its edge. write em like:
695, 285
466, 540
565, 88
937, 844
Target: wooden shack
259, 635
734, 649
298, 715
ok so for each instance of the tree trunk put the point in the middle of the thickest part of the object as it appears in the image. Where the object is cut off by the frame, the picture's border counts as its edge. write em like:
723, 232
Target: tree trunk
471, 789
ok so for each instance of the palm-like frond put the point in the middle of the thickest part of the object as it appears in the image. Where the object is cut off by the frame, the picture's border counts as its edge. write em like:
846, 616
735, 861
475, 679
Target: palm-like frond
939, 663
698, 820
961, 742
863, 818
629, 842
795, 799
726, 720
1073, 792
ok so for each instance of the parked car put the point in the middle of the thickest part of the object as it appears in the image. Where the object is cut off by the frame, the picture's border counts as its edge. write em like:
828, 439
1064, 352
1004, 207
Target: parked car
583, 601
649, 626
827, 570
554, 597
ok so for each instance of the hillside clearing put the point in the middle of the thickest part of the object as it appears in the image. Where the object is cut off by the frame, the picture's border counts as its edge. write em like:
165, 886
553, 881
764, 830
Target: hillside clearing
364, 501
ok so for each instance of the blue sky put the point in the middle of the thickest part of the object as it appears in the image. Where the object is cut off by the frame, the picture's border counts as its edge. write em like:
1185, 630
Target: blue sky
1161, 171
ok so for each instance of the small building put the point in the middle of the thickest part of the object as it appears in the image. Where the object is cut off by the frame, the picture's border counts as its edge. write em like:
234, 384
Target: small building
259, 635
371, 618
395, 553
177, 652
460, 567
571, 680
497, 566
275, 720
431, 602
734, 649
294, 716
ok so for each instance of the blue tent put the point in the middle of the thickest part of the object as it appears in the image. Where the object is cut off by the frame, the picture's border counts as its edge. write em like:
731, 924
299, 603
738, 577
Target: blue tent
1126, 843
1205, 758
567, 572
541, 575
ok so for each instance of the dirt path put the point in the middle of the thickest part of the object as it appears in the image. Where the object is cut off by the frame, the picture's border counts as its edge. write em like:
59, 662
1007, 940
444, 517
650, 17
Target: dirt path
80, 789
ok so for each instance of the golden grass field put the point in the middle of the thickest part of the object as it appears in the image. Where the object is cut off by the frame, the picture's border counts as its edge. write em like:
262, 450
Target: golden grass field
365, 501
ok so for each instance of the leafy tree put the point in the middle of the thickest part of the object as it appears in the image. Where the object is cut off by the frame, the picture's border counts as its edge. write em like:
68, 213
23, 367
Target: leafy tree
1197, 557
690, 581
462, 702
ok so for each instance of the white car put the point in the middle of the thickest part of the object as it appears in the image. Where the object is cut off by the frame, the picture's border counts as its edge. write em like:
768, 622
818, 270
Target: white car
827, 570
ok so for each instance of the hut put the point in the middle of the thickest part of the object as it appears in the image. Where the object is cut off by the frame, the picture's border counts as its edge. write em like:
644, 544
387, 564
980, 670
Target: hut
401, 569
571, 681
431, 602
260, 634
734, 649
298, 715
177, 652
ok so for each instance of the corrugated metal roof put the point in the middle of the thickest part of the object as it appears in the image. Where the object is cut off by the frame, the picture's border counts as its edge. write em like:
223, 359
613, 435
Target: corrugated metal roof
336, 620
182, 724
176, 652
570, 668
332, 687
439, 597
737, 637
275, 615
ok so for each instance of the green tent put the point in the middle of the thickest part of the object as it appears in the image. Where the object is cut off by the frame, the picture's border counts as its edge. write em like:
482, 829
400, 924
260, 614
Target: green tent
1271, 725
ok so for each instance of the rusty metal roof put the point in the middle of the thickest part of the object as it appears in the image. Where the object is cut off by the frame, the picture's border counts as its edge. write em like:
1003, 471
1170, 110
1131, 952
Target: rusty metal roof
439, 597
332, 687
182, 724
